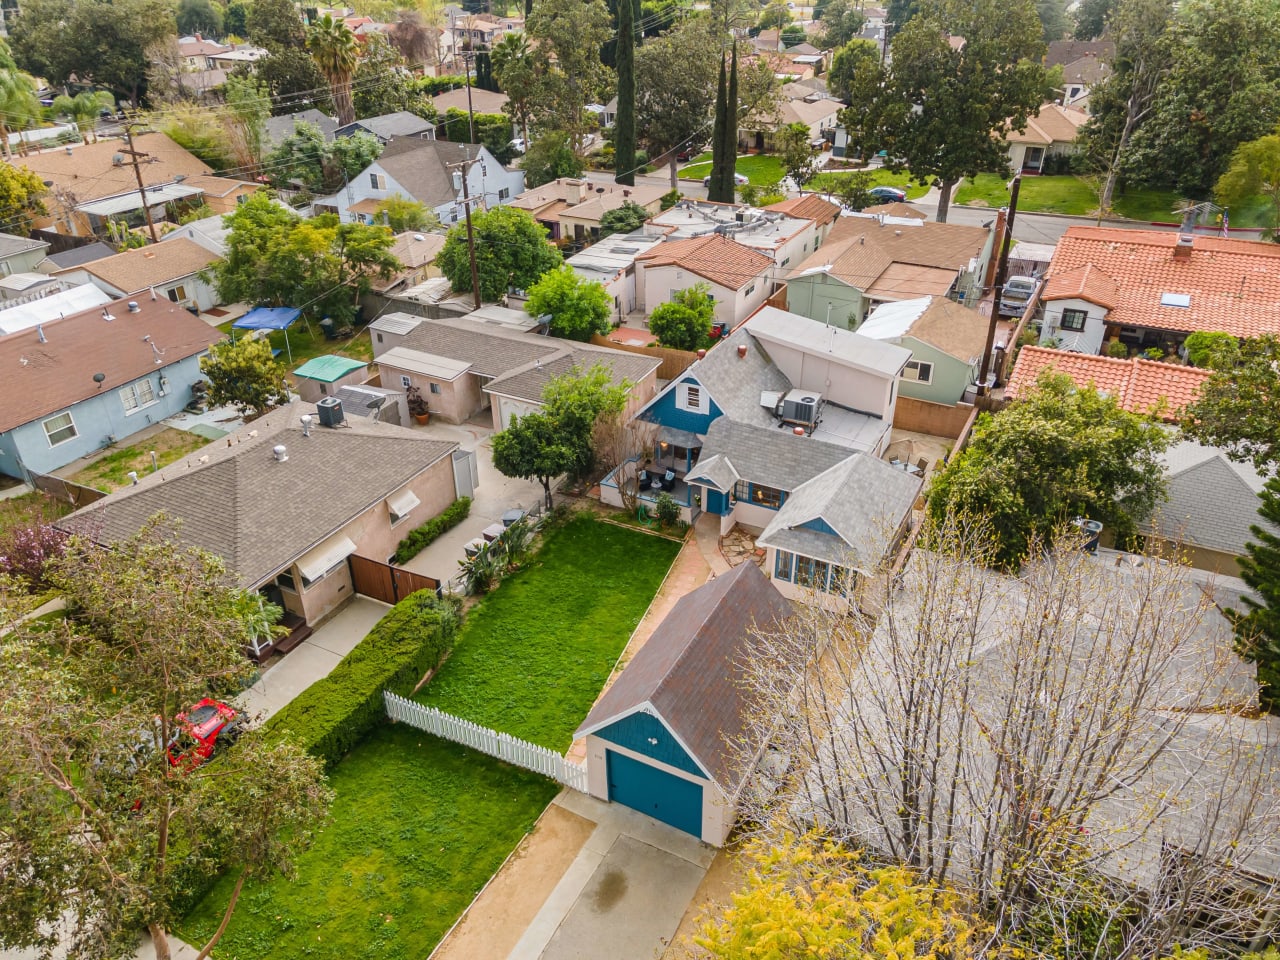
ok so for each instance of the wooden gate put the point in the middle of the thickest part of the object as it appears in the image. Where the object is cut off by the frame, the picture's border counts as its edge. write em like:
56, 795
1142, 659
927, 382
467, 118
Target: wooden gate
385, 582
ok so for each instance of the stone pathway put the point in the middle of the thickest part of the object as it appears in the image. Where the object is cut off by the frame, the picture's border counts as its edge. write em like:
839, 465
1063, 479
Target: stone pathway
738, 547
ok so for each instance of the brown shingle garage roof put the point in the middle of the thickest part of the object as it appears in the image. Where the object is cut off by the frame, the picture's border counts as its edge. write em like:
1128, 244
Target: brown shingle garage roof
136, 270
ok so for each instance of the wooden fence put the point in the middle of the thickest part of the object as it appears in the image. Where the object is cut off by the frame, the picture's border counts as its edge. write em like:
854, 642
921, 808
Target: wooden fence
674, 362
505, 747
936, 419
75, 494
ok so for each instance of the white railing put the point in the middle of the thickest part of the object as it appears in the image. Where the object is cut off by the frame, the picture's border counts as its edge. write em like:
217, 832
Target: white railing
505, 747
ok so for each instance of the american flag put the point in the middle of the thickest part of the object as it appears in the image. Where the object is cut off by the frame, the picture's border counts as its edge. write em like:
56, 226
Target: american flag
1224, 223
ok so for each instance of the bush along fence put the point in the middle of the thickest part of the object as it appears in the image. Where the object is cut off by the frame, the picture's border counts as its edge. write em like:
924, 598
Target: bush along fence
503, 746
422, 537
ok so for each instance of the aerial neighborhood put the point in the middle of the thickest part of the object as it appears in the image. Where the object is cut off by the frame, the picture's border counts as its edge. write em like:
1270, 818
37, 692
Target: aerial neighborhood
584, 480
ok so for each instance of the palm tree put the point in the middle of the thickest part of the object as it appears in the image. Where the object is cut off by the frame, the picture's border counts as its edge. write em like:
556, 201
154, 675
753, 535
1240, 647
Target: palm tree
84, 108
19, 106
333, 47
517, 76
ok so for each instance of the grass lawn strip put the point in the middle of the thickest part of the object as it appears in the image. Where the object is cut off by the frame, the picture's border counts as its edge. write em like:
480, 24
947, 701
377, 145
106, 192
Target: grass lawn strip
418, 827
112, 471
532, 656
761, 169
880, 177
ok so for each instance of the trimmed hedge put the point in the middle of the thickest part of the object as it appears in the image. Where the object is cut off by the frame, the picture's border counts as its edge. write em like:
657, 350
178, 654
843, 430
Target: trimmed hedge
332, 715
422, 537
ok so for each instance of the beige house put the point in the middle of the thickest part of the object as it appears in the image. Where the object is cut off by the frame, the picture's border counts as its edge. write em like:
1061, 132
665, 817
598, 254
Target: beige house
572, 208
738, 276
171, 270
280, 503
417, 252
1051, 133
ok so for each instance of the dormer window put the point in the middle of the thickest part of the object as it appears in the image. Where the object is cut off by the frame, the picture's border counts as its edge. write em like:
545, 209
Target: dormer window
689, 397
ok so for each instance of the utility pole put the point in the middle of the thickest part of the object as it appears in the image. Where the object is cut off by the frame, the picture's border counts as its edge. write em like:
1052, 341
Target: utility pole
137, 172
1002, 270
471, 115
461, 169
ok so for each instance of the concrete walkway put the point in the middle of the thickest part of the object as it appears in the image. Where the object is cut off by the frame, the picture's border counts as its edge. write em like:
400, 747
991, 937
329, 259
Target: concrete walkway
312, 659
707, 533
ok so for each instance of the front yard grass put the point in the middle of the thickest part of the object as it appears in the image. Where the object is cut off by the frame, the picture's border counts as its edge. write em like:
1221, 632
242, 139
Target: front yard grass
829, 180
418, 827
532, 656
761, 169
112, 471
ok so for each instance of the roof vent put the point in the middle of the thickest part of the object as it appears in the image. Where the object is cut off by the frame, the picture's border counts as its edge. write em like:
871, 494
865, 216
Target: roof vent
117, 159
280, 452
133, 307
40, 333
306, 425
106, 315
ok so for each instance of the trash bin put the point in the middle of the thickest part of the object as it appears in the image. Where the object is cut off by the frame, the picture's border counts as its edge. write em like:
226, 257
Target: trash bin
1091, 529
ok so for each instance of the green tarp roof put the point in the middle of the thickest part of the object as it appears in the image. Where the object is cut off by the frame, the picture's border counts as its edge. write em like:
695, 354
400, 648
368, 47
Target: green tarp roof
328, 368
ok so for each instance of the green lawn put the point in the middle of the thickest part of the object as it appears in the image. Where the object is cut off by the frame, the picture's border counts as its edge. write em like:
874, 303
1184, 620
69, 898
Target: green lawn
880, 177
418, 827
306, 344
532, 656
761, 169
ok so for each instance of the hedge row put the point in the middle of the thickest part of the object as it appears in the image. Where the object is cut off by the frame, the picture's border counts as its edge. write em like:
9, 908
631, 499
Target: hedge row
332, 715
422, 537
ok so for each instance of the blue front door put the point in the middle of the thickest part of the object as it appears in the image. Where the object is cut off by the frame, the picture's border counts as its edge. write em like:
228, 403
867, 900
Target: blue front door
717, 502
661, 795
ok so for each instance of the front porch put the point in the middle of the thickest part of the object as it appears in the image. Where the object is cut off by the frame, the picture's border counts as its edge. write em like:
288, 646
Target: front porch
647, 491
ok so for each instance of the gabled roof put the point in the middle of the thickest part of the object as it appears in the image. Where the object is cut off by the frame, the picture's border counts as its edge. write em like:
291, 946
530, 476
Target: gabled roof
258, 513
415, 249
487, 350
862, 498
43, 378
1085, 282
402, 123
769, 456
134, 271
1053, 124
691, 672
77, 256
278, 128
809, 207
937, 321
1068, 51
11, 246
1233, 285
88, 171
896, 209
527, 382
833, 343
482, 101
1139, 385
713, 257
420, 167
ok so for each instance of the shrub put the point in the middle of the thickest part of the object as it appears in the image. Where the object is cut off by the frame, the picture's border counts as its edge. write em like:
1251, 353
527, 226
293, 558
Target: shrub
25, 548
1117, 350
422, 537
670, 199
667, 509
332, 715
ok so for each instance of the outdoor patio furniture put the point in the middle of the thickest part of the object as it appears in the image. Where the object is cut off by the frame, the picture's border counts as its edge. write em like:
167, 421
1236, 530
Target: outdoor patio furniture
922, 464
669, 481
644, 478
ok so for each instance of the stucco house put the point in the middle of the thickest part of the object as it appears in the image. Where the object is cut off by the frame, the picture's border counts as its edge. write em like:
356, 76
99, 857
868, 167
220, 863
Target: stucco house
419, 170
20, 254
784, 236
252, 499
946, 342
738, 277
612, 264
676, 735
1050, 133
869, 260
80, 383
819, 116
172, 270
572, 207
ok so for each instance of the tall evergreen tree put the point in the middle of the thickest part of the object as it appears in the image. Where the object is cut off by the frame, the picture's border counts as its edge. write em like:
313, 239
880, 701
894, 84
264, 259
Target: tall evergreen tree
624, 141
1258, 627
717, 136
731, 130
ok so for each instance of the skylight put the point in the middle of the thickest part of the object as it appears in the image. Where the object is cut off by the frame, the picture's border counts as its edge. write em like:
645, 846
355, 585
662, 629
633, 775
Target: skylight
1175, 299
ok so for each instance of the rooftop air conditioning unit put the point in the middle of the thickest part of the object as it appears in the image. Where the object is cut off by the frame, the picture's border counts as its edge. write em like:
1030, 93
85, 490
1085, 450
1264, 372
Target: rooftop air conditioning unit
800, 407
329, 410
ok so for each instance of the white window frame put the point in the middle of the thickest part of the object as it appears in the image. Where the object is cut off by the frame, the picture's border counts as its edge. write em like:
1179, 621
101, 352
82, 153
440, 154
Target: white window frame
689, 397
504, 193
912, 371
70, 424
134, 391
406, 381
377, 181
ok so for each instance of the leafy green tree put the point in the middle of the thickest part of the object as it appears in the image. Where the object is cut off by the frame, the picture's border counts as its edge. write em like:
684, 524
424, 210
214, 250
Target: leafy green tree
1257, 627
842, 21
685, 322
1057, 454
774, 16
1254, 170
19, 107
321, 165
1212, 349
294, 81
937, 108
624, 219
899, 12
275, 24
573, 32
798, 159
1053, 19
21, 198
402, 214
248, 105
199, 16
851, 62
198, 130
511, 251
1222, 90
577, 402
415, 39
577, 307
333, 47
1238, 406
675, 90
102, 835
792, 35
382, 82
1091, 18
624, 138
551, 157
100, 42
245, 375
518, 77
533, 447
235, 21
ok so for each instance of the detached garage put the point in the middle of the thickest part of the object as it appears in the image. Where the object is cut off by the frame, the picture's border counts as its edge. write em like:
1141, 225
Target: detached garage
659, 740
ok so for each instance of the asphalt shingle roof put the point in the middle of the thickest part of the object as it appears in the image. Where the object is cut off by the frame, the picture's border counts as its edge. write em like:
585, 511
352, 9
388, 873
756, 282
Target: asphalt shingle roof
770, 456
691, 671
135, 270
1211, 503
527, 382
419, 167
11, 246
735, 383
260, 514
88, 171
489, 351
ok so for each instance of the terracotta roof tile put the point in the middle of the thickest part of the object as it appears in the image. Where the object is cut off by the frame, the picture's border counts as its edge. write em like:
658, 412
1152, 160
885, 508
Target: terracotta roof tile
1139, 385
1082, 283
714, 257
809, 207
1234, 285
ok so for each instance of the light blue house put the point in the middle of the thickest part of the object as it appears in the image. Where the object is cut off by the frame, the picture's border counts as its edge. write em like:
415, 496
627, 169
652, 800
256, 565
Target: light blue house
87, 381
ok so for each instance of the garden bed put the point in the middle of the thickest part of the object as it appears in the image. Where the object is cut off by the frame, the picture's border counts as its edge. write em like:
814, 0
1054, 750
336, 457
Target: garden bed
111, 472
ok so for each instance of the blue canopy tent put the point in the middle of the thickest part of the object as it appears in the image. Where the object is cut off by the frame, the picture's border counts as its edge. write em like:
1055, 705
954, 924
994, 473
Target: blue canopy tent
270, 318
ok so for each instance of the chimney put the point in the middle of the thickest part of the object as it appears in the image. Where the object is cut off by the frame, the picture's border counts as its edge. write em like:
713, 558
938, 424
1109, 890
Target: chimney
280, 453
742, 351
1186, 237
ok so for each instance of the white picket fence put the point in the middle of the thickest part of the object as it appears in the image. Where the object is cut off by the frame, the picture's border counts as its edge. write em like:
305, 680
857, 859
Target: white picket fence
505, 747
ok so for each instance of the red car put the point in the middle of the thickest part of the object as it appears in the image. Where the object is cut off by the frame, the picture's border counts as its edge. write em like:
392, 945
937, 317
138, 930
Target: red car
203, 730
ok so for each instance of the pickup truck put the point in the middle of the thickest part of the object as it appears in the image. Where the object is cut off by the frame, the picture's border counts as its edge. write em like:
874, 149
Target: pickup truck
1017, 292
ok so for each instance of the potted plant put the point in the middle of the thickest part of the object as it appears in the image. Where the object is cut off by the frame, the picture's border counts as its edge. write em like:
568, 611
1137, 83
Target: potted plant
418, 406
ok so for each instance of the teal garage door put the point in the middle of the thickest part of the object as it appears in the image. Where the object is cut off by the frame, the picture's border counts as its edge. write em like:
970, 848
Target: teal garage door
655, 792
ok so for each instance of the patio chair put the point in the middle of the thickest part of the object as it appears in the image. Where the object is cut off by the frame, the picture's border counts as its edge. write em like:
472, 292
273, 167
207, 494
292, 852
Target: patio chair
643, 479
922, 464
669, 481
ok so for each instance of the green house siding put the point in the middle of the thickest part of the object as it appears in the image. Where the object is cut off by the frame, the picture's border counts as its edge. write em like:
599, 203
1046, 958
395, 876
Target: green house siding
648, 736
810, 297
950, 376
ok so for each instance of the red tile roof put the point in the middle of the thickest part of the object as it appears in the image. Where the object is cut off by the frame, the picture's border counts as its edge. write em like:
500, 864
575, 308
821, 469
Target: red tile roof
714, 257
1139, 385
1234, 285
1082, 283
809, 207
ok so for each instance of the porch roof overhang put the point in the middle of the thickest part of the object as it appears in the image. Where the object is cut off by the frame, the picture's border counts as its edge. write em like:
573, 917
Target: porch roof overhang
717, 471
681, 438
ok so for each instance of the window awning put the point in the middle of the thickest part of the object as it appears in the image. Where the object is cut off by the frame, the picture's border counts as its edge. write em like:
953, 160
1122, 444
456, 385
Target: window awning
681, 438
333, 551
401, 503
